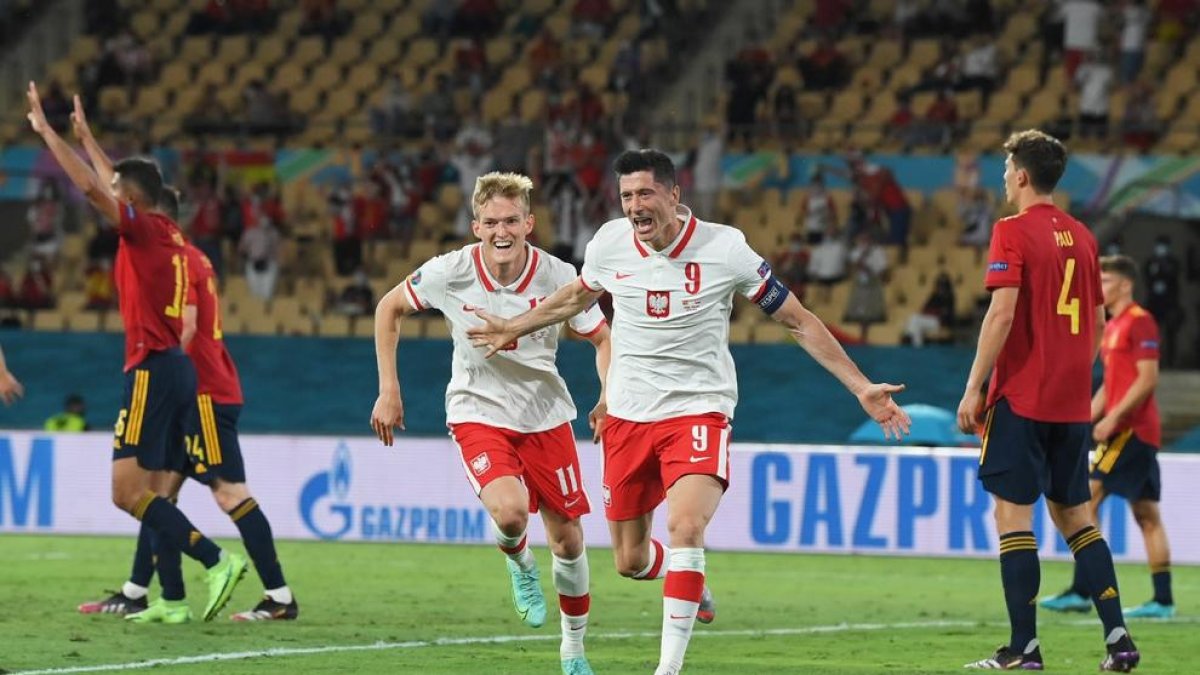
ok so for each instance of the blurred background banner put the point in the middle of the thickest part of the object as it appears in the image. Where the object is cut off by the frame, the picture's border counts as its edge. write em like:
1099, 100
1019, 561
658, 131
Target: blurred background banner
784, 498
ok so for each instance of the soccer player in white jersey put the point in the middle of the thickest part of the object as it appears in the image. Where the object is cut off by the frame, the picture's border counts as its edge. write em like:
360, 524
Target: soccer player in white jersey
672, 387
511, 415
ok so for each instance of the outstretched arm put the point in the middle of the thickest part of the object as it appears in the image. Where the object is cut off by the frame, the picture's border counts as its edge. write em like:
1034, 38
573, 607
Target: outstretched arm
10, 388
562, 304
876, 399
992, 336
81, 175
388, 413
100, 160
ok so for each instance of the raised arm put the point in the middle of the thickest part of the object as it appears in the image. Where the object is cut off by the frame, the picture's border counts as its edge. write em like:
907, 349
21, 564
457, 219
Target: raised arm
992, 336
10, 388
100, 160
562, 304
811, 334
388, 413
98, 194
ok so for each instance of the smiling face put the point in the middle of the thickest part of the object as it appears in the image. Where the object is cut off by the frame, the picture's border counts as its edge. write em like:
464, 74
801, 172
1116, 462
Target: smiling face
502, 224
650, 206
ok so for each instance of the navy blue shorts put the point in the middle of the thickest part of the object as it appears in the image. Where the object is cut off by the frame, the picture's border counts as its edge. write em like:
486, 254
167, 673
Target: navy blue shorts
1022, 459
212, 442
1128, 466
159, 395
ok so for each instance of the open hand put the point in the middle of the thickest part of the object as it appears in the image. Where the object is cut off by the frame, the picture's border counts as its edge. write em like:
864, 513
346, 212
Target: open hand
387, 415
79, 122
968, 411
494, 334
10, 388
36, 116
877, 401
596, 420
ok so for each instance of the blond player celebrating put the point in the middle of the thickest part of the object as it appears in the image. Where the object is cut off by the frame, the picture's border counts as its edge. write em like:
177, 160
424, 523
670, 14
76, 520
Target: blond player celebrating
511, 415
672, 386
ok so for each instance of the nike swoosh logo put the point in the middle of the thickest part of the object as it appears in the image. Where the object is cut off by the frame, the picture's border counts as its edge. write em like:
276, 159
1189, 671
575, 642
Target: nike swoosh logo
623, 276
685, 616
697, 459
571, 503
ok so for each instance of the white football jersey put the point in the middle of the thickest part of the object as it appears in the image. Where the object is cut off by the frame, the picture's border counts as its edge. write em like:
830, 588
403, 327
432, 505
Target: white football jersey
519, 388
670, 332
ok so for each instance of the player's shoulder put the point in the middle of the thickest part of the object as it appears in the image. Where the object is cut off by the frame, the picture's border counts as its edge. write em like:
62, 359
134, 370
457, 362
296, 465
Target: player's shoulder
451, 263
1139, 314
612, 231
551, 264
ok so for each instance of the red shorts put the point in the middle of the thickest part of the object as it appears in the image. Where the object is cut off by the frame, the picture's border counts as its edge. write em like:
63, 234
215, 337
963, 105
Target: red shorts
643, 459
545, 461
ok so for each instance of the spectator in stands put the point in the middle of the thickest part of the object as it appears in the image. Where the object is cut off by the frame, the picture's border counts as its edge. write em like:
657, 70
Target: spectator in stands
259, 111
515, 138
371, 211
825, 68
1135, 25
357, 298
902, 126
441, 116
936, 315
205, 227
72, 419
470, 65
817, 210
1081, 32
8, 294
791, 265
209, 115
707, 172
941, 120
786, 109
627, 69
566, 200
966, 177
321, 17
104, 241
545, 57
99, 286
471, 159
232, 224
1162, 272
37, 288
1095, 79
1051, 24
260, 248
868, 264
865, 215
103, 17
980, 67
394, 115
831, 16
1177, 19
45, 219
942, 75
591, 18
1140, 127
885, 192
827, 262
347, 244
57, 107
977, 217
216, 17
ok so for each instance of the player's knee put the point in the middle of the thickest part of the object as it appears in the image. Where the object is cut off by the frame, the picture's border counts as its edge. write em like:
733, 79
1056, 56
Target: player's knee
126, 497
629, 562
230, 495
511, 519
1145, 514
686, 529
568, 547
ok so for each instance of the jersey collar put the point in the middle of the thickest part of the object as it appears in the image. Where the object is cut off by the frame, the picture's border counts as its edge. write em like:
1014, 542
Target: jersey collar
676, 247
490, 285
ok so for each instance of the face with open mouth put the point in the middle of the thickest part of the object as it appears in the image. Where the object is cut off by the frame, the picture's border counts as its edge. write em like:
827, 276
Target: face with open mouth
502, 225
650, 207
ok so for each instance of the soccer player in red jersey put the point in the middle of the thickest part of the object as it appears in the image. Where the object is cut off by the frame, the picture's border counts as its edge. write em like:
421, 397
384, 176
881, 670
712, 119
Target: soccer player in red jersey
1038, 341
214, 455
1127, 433
151, 276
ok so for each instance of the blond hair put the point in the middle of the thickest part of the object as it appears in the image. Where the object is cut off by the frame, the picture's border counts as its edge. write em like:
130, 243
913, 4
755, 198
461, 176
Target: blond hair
498, 184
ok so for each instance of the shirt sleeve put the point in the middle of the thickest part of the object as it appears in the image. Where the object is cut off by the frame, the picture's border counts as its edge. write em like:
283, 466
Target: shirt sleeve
750, 272
1005, 260
590, 274
1143, 338
135, 224
426, 288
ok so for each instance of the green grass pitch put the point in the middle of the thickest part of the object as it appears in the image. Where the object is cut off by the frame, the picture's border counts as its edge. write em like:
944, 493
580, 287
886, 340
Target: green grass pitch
391, 608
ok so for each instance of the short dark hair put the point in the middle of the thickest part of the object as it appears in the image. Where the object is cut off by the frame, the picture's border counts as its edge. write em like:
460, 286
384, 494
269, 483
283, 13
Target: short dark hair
144, 174
1043, 156
646, 159
1122, 265
169, 201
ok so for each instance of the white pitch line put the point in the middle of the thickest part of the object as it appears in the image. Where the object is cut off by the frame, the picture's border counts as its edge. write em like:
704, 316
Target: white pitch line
504, 639
496, 639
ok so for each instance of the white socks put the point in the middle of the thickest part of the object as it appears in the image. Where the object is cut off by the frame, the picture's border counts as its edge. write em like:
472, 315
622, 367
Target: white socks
282, 595
516, 548
681, 598
571, 580
656, 565
133, 591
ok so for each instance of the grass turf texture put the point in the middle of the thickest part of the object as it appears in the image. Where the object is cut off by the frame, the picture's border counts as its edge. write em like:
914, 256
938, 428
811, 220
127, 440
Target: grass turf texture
359, 594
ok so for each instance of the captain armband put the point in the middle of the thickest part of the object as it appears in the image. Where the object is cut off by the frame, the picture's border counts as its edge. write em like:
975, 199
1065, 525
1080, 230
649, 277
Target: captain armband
772, 296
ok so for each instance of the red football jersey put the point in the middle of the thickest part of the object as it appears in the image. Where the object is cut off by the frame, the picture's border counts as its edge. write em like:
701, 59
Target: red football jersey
1130, 337
152, 278
215, 373
1045, 366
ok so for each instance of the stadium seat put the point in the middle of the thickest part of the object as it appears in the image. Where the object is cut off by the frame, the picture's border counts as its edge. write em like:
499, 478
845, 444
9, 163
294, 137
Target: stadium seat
234, 50
334, 325
307, 51
84, 321
48, 320
435, 328
268, 51
214, 72
195, 50
345, 52
145, 24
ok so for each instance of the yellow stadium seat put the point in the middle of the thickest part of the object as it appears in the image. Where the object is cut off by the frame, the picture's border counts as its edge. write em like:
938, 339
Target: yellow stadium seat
289, 22
366, 27
269, 51
1023, 79
84, 321
48, 320
261, 324
145, 24
307, 50
924, 53
404, 26
500, 49
112, 323
152, 100
114, 100
885, 54
846, 106
247, 73
289, 77
436, 329
176, 75
1179, 142
325, 76
422, 52
195, 50
84, 49
213, 72
346, 51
